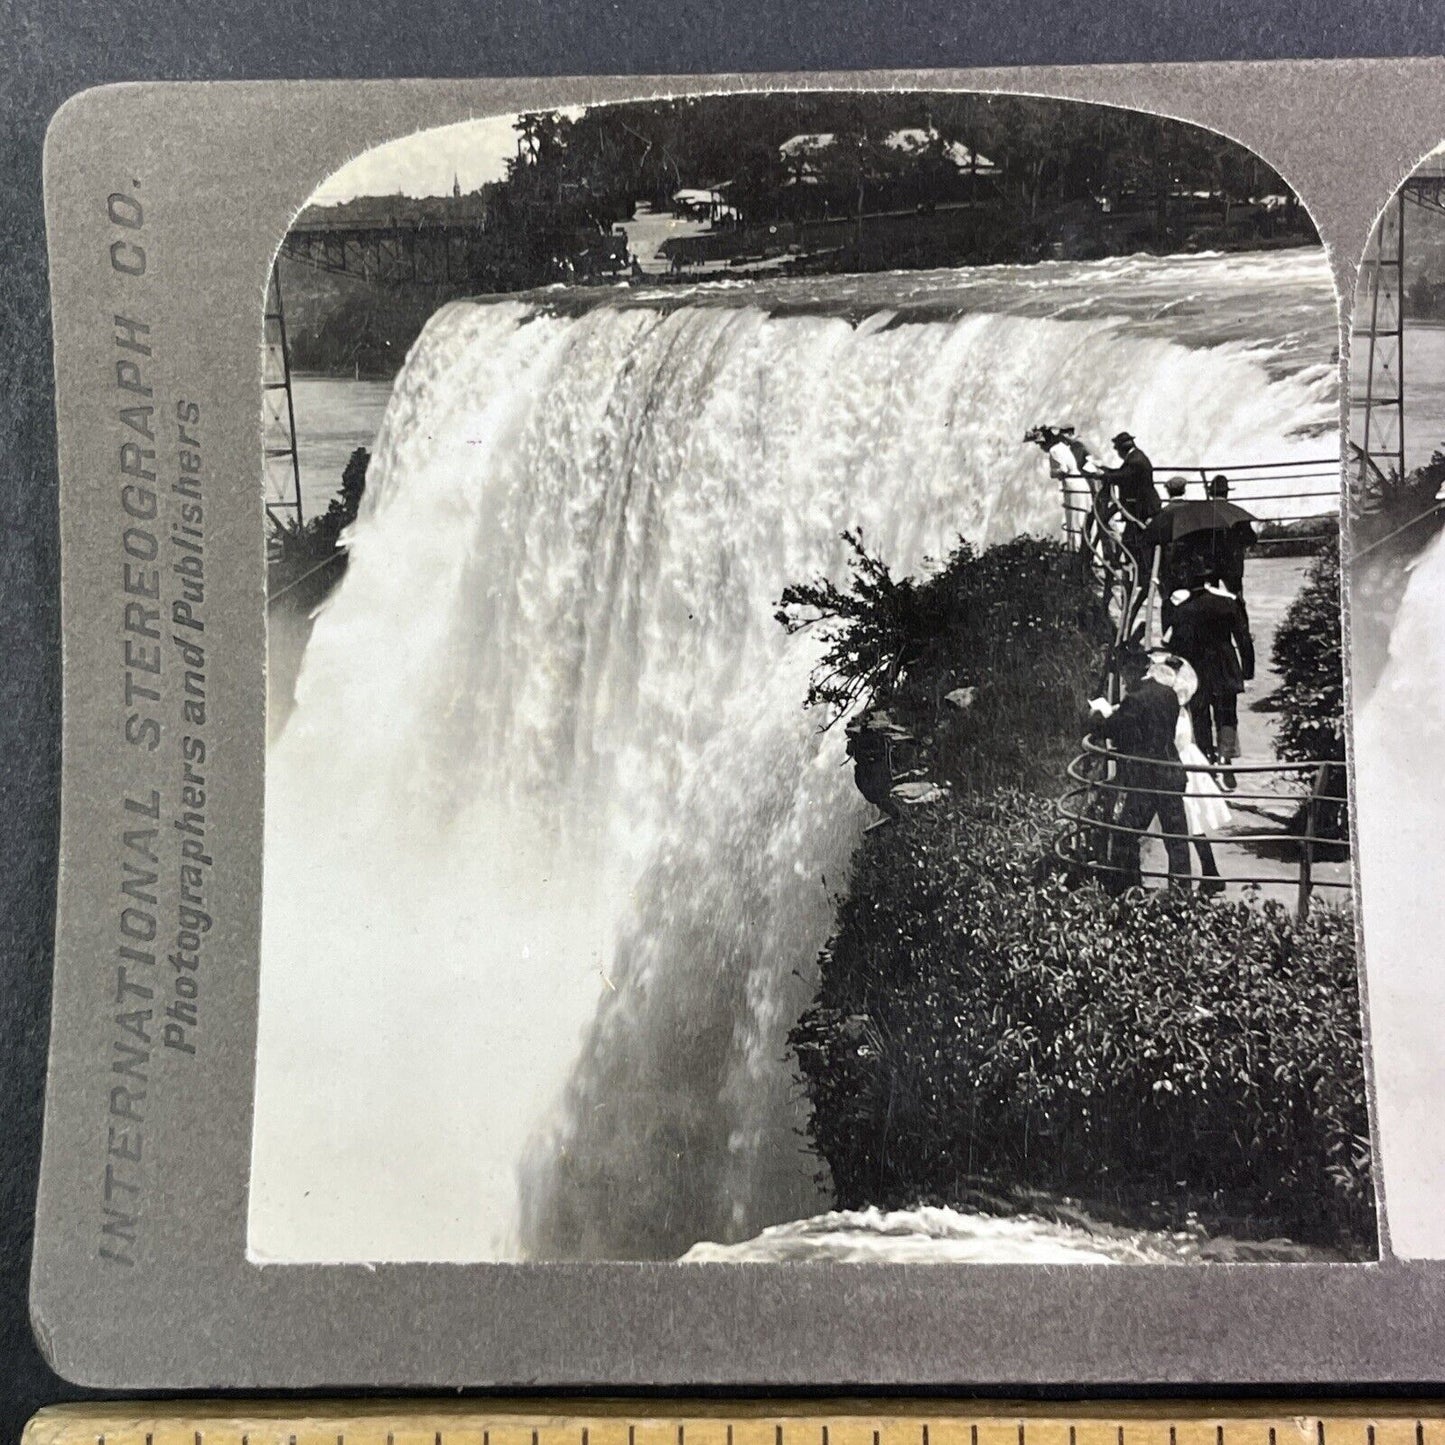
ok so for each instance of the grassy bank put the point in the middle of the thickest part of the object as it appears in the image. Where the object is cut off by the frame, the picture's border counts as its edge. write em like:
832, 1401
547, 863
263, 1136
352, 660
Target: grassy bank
987, 1031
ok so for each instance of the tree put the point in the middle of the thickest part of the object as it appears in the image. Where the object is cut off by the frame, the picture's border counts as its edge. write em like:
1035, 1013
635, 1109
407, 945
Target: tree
873, 627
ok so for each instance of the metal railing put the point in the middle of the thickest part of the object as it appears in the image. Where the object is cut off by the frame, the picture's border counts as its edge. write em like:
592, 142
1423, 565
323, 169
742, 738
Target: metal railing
1092, 839
1089, 520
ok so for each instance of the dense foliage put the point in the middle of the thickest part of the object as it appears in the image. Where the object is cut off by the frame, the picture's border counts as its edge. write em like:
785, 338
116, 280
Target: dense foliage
1308, 654
307, 561
981, 1024
989, 1032
350, 326
1049, 152
1019, 623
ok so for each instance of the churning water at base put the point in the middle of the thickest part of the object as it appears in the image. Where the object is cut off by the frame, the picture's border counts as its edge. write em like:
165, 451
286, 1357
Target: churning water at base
932, 1235
551, 845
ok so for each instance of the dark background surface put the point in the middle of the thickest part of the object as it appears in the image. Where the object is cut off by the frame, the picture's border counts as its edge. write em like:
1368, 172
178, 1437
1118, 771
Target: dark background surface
55, 49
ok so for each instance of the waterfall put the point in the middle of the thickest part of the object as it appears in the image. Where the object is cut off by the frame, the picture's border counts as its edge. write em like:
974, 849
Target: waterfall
1399, 745
551, 845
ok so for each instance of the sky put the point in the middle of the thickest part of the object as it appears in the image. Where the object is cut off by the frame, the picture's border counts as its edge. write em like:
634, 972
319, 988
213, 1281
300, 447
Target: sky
425, 162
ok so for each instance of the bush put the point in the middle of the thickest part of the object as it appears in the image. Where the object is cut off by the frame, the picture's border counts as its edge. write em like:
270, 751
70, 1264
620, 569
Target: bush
300, 554
981, 1024
1019, 622
1308, 654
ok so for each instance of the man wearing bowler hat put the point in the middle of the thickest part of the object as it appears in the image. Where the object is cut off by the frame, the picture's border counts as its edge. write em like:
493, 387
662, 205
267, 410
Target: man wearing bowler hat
1132, 482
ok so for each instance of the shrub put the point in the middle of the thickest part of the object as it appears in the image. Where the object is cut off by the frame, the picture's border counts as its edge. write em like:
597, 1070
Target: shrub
1308, 654
982, 1024
300, 554
1019, 622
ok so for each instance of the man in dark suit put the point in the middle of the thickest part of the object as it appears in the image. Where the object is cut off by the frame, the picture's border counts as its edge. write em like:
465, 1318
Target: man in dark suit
1142, 727
1132, 484
1172, 557
1210, 633
1230, 545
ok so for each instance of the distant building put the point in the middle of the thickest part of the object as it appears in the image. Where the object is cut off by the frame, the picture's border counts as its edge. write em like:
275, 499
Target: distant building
917, 141
703, 204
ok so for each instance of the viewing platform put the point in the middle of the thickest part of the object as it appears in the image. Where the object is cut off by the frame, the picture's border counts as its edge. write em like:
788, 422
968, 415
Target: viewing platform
1277, 844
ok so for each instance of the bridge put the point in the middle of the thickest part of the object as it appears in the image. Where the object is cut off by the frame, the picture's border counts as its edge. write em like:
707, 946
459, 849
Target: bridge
418, 252
455, 243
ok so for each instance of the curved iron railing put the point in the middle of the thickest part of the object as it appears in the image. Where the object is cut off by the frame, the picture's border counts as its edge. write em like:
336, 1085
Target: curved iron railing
1091, 524
1092, 838
1312, 485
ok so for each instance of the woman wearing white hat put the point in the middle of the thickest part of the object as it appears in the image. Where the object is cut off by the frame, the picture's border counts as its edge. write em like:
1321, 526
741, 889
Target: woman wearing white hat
1205, 810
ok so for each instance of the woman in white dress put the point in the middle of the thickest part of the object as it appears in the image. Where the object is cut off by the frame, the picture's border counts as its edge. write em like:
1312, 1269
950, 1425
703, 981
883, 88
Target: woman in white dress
1205, 810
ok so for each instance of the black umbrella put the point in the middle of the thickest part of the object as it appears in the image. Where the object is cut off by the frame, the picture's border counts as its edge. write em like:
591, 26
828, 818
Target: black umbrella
1180, 519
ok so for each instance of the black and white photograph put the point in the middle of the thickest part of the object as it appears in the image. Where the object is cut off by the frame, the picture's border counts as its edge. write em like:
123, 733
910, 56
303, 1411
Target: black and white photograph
806, 691
1396, 473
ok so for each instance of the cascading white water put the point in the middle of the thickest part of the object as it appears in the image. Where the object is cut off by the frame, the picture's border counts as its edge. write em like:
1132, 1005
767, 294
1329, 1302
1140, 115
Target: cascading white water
551, 843
1400, 792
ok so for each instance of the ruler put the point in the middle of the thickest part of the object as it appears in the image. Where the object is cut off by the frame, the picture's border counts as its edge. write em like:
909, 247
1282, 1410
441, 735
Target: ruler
876, 1422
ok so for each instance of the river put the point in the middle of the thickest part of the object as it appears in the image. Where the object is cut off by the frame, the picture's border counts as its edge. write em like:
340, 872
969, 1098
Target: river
551, 844
334, 416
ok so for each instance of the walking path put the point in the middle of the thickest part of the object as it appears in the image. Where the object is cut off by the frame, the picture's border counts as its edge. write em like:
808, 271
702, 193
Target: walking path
1270, 585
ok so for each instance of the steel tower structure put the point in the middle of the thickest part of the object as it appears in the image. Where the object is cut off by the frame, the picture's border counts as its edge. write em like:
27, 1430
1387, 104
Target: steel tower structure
1379, 360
